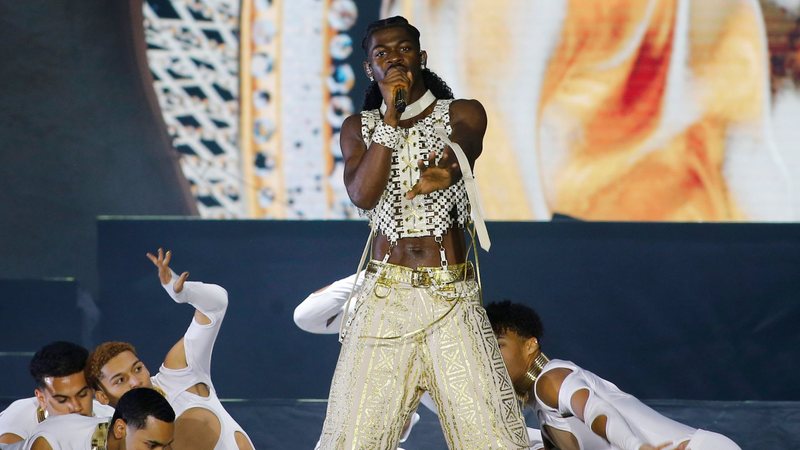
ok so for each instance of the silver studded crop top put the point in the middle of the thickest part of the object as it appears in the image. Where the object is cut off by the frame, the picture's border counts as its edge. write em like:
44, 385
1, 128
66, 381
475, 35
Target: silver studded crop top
425, 215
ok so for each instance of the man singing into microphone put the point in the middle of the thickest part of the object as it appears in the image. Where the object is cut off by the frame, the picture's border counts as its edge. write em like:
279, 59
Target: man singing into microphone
417, 324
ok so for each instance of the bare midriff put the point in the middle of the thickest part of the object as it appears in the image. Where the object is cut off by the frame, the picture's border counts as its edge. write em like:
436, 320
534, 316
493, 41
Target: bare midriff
416, 252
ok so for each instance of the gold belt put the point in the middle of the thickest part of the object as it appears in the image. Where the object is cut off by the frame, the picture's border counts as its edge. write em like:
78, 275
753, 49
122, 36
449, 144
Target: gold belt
421, 276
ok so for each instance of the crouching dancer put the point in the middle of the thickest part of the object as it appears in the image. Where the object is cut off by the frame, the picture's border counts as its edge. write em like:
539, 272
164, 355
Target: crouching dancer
61, 388
578, 410
143, 420
185, 375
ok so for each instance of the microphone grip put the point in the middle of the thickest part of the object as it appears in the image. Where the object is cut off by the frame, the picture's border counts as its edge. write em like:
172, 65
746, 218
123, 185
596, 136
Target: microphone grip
400, 100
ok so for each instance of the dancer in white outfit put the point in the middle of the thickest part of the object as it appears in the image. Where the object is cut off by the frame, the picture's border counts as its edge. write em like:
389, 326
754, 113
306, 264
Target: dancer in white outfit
61, 388
70, 431
578, 410
185, 375
20, 419
143, 420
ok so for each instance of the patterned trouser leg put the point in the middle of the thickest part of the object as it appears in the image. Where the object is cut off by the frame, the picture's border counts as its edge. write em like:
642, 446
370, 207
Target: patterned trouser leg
405, 340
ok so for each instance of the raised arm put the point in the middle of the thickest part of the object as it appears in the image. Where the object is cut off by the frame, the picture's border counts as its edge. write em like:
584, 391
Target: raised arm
366, 170
210, 302
168, 277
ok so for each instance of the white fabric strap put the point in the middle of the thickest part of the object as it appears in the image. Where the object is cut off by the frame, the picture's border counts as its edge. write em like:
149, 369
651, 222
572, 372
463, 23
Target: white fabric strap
472, 190
348, 314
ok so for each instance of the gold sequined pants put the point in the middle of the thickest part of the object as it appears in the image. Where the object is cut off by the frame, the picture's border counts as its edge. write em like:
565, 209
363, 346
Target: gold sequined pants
415, 331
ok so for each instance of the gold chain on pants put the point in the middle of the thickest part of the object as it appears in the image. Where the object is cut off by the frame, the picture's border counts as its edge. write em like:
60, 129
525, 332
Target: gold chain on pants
414, 333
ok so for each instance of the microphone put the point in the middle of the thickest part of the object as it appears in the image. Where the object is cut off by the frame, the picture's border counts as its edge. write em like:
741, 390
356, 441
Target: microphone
400, 100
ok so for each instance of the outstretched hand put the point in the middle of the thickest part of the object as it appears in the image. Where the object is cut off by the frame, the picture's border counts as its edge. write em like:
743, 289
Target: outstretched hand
435, 176
164, 273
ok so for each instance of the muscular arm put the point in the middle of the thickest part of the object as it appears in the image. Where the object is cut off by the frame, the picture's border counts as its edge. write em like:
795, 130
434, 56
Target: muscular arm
366, 171
468, 121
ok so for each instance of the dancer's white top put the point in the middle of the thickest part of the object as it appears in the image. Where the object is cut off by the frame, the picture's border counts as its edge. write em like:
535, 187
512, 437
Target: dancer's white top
67, 432
212, 301
630, 423
21, 417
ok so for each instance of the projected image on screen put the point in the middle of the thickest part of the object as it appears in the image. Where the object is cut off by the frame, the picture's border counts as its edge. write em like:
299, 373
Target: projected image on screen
633, 110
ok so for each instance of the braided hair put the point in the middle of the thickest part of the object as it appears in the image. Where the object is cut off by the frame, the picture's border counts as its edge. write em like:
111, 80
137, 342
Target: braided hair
372, 95
391, 22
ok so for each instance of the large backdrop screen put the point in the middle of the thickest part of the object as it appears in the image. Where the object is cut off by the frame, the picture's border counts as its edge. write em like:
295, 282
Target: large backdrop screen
642, 110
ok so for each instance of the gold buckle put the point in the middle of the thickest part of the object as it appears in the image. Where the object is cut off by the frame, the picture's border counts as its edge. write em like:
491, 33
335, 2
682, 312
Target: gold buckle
419, 279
